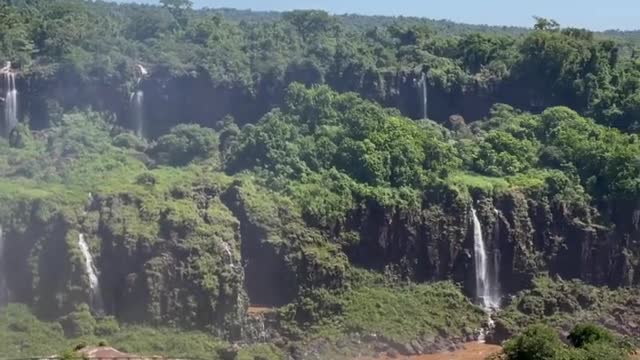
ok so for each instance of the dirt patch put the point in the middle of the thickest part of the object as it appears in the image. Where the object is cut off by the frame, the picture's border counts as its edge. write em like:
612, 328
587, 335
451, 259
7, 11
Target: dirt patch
260, 310
471, 351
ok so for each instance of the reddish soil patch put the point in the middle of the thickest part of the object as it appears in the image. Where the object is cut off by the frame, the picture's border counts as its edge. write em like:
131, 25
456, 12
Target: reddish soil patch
260, 310
471, 351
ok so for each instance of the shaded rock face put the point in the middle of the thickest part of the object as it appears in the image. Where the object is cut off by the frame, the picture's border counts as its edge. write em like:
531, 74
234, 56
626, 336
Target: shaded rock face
157, 277
170, 275
426, 244
532, 236
269, 281
196, 97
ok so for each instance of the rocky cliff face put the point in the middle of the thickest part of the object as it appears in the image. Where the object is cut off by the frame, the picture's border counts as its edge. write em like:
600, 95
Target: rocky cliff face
192, 257
533, 235
196, 97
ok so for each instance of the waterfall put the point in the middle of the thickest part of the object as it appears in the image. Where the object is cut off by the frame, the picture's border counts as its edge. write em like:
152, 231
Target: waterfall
4, 291
137, 102
137, 112
487, 283
227, 250
425, 114
92, 272
487, 272
10, 99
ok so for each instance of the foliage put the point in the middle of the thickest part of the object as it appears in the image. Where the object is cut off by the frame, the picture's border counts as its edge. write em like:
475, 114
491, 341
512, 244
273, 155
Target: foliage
185, 143
314, 150
537, 342
586, 334
399, 313
542, 342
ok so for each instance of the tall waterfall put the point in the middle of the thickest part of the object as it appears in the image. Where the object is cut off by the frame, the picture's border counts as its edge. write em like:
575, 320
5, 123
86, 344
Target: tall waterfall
10, 99
487, 280
92, 272
137, 102
137, 112
425, 114
4, 291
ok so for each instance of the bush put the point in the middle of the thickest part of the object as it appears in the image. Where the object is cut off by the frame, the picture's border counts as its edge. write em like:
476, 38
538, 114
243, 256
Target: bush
107, 326
185, 143
585, 334
129, 141
537, 342
79, 323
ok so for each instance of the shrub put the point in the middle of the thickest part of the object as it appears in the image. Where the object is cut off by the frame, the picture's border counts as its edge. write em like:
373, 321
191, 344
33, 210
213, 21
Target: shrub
79, 323
185, 143
537, 342
585, 334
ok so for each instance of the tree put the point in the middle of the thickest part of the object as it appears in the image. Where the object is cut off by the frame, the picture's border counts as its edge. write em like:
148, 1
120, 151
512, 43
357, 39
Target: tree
178, 9
537, 342
585, 334
545, 24
184, 144
177, 4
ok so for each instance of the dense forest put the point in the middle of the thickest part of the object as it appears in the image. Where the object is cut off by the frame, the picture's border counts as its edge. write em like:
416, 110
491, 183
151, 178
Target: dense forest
225, 184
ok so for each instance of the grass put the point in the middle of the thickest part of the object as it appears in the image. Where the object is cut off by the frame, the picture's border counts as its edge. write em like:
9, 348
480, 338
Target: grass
403, 313
470, 180
23, 335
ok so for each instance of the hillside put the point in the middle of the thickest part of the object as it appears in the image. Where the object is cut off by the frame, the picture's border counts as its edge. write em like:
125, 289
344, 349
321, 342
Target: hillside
176, 182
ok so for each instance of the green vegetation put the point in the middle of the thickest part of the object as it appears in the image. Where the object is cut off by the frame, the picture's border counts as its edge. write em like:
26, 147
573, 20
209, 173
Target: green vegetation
539, 342
562, 304
399, 313
22, 335
283, 169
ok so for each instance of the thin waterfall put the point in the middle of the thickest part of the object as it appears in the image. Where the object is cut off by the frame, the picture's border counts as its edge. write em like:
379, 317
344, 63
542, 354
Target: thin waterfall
486, 280
4, 291
10, 99
486, 273
92, 273
137, 112
425, 114
137, 103
227, 249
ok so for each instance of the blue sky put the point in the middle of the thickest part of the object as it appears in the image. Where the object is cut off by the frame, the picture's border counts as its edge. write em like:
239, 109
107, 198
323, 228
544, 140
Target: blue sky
592, 14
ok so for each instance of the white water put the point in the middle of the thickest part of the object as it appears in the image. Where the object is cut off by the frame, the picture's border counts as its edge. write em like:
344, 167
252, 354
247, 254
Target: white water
142, 71
4, 292
486, 280
425, 114
92, 272
227, 249
10, 99
487, 274
137, 112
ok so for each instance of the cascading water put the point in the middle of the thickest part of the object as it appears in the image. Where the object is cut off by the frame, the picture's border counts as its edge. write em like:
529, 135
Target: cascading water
486, 280
227, 249
425, 114
137, 112
10, 99
92, 272
487, 275
4, 291
137, 102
